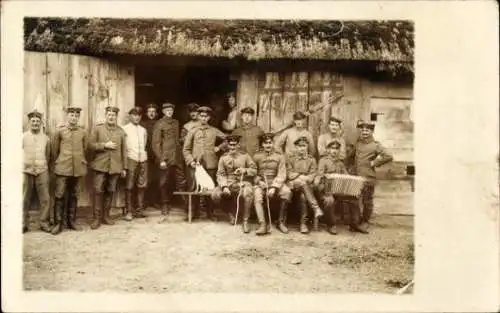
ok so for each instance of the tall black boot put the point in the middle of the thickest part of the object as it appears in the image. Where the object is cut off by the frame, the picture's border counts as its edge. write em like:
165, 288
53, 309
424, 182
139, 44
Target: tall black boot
283, 216
72, 205
303, 217
98, 199
58, 207
106, 218
128, 205
139, 212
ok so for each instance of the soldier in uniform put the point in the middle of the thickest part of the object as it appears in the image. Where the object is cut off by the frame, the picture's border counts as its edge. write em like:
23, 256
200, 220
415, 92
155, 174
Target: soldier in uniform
200, 147
270, 182
229, 124
369, 154
108, 141
285, 141
328, 165
151, 193
249, 132
301, 170
70, 145
235, 172
137, 164
186, 128
36, 148
334, 133
167, 150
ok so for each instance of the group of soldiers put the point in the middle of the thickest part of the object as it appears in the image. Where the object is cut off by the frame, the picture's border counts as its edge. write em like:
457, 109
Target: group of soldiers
158, 155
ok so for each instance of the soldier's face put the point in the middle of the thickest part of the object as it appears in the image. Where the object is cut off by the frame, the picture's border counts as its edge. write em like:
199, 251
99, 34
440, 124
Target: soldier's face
168, 112
231, 100
204, 118
135, 118
193, 115
111, 117
300, 123
232, 145
246, 118
73, 118
334, 127
35, 123
267, 145
302, 149
151, 113
365, 132
334, 152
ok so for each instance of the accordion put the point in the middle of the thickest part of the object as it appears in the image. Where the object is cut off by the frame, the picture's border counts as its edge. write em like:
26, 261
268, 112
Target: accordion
345, 185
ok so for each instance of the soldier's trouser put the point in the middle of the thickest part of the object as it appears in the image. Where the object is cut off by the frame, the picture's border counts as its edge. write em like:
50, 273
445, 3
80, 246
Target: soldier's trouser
137, 177
71, 186
152, 193
40, 184
367, 200
173, 175
246, 194
260, 194
307, 190
104, 187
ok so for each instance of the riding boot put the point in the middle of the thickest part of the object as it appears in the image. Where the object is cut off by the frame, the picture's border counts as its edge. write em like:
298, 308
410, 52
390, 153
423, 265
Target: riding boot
64, 213
128, 205
332, 214
311, 200
303, 217
354, 223
58, 207
247, 204
165, 208
282, 216
139, 212
73, 203
106, 218
98, 199
259, 210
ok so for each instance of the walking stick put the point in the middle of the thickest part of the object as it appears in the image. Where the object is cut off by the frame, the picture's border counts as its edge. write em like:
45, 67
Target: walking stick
267, 202
238, 199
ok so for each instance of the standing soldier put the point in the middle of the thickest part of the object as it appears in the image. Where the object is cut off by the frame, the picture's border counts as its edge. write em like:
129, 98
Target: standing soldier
137, 164
334, 133
301, 170
328, 165
369, 154
186, 128
269, 182
70, 143
151, 193
167, 150
108, 141
36, 148
249, 132
229, 124
285, 141
199, 146
234, 173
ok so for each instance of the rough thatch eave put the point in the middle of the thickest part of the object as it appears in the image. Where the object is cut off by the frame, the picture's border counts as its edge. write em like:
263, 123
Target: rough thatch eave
389, 43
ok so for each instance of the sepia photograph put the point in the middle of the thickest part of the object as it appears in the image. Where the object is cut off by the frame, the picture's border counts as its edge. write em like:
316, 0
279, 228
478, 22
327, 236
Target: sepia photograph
229, 155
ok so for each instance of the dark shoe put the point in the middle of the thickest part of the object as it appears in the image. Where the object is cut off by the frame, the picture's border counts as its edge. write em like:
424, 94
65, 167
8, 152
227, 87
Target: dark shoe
304, 229
128, 217
262, 230
333, 230
165, 209
246, 228
72, 217
25, 229
139, 214
358, 229
96, 222
57, 229
232, 219
282, 228
46, 228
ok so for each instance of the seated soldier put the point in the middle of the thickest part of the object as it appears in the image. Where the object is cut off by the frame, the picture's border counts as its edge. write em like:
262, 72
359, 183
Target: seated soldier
269, 182
301, 170
328, 165
234, 173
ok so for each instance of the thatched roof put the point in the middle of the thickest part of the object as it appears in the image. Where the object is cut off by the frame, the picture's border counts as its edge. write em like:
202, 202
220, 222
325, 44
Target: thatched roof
390, 43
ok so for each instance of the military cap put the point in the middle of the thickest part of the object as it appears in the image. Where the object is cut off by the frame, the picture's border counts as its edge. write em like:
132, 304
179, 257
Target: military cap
135, 110
152, 106
112, 109
248, 110
266, 137
192, 107
364, 124
73, 110
335, 119
167, 105
204, 109
299, 116
35, 113
233, 138
301, 141
333, 144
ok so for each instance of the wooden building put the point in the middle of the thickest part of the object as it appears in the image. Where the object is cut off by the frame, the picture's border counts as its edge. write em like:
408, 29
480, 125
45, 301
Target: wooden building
275, 67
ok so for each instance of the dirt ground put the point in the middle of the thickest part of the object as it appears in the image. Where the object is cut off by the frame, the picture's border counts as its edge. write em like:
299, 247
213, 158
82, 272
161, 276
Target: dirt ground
153, 255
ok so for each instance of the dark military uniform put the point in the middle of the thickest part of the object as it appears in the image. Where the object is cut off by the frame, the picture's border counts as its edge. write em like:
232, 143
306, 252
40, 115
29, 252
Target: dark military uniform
70, 144
228, 177
167, 148
250, 134
107, 164
369, 154
151, 193
301, 170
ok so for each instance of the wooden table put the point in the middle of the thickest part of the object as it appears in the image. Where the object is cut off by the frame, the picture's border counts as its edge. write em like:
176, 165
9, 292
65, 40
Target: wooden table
190, 195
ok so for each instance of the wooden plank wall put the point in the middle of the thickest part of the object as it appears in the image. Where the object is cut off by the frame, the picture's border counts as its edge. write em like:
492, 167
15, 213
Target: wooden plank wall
53, 81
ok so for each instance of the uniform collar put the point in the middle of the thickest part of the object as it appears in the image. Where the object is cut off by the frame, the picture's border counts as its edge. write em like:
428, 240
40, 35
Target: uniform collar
71, 127
301, 157
246, 126
367, 140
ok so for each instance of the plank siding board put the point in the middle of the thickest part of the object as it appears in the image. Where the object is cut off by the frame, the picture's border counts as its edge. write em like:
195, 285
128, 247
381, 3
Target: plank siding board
247, 95
57, 89
35, 85
264, 100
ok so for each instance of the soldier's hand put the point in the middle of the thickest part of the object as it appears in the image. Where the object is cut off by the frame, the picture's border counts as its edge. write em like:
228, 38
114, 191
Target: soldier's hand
123, 173
271, 192
110, 145
163, 165
239, 171
216, 149
226, 191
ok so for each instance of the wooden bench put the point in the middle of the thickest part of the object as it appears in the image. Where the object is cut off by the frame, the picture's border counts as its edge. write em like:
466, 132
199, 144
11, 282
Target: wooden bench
190, 195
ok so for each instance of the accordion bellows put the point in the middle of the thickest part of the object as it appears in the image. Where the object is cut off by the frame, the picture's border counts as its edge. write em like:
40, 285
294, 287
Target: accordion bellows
346, 185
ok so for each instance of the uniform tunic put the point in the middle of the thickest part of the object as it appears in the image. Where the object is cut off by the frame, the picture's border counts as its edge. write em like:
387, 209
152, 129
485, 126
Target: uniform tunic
249, 141
367, 150
325, 139
301, 165
148, 124
187, 127
271, 167
285, 143
111, 161
70, 145
199, 145
166, 146
229, 162
36, 148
